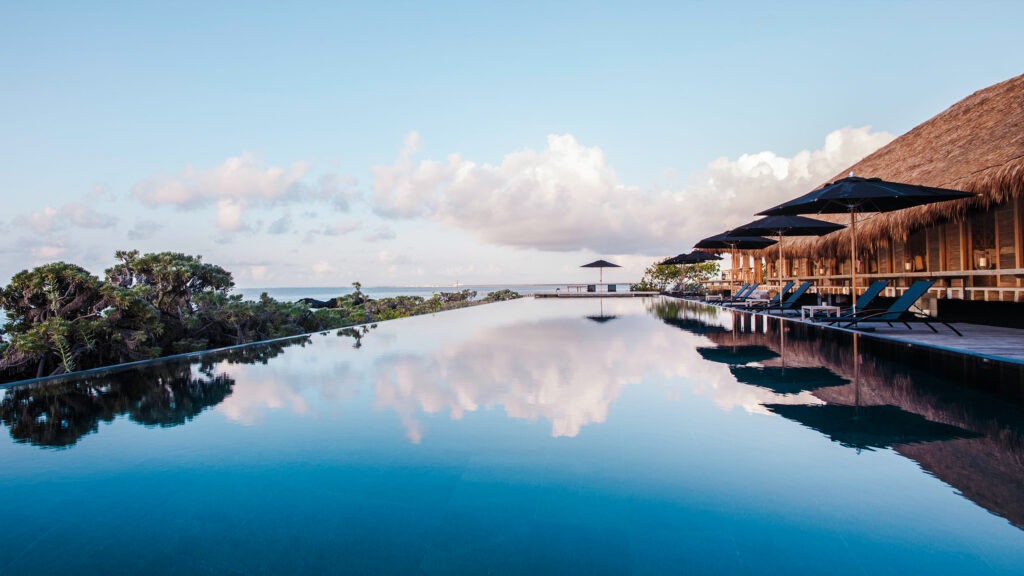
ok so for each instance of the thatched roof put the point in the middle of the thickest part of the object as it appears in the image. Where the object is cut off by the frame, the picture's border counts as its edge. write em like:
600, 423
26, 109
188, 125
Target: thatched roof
976, 145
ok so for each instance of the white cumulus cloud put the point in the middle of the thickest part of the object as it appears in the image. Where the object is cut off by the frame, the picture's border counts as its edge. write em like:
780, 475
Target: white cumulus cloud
568, 197
72, 214
240, 182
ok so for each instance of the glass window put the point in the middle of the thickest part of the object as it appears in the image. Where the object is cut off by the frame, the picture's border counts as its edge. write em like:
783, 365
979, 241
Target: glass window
916, 252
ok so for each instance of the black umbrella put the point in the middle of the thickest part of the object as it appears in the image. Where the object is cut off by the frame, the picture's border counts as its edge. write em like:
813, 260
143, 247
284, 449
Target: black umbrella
787, 380
675, 260
738, 355
869, 427
785, 226
726, 240
855, 195
734, 243
695, 257
601, 265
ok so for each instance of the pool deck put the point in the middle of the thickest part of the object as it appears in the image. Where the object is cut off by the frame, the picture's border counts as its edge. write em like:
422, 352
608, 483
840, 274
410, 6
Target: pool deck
989, 342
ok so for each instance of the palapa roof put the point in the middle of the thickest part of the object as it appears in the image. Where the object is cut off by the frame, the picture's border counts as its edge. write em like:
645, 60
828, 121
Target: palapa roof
976, 145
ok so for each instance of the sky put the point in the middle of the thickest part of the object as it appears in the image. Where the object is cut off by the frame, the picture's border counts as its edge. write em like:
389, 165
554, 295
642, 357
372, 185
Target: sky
429, 143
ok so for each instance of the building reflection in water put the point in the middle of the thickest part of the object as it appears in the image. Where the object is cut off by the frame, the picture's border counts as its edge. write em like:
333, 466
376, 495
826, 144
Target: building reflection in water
919, 405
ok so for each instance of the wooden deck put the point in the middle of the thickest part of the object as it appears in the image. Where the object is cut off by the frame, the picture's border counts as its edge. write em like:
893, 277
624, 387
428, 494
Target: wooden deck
989, 342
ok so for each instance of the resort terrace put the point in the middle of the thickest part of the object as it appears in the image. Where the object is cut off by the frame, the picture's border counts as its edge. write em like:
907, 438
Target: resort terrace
973, 248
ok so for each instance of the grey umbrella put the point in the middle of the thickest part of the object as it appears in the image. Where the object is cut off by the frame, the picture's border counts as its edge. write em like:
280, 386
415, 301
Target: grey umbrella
601, 265
785, 226
856, 195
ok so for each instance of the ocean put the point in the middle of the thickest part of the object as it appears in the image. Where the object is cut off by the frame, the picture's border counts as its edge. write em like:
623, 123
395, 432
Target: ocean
326, 293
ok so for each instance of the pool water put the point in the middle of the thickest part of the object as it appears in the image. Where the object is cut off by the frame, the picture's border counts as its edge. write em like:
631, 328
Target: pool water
615, 436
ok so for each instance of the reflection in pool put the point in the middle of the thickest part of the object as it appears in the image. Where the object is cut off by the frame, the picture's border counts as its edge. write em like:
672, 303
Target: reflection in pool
534, 436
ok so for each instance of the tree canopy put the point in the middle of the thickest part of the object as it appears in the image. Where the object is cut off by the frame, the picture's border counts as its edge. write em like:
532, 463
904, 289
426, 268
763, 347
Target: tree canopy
61, 318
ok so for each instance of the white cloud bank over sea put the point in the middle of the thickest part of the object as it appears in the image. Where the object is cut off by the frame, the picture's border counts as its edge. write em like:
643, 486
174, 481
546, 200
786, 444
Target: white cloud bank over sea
457, 219
568, 197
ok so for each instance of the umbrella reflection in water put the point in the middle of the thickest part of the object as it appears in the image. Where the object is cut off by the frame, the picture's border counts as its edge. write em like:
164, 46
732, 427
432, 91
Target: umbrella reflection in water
868, 427
601, 318
782, 380
738, 355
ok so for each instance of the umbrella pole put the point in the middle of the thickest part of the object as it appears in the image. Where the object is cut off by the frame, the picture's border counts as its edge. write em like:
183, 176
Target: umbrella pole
853, 261
732, 277
780, 269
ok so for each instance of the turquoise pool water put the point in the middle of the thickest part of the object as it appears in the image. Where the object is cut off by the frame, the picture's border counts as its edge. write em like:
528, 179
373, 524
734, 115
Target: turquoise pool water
623, 436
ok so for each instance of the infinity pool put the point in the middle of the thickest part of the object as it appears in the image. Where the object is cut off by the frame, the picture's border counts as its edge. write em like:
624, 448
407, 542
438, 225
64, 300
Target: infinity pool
617, 436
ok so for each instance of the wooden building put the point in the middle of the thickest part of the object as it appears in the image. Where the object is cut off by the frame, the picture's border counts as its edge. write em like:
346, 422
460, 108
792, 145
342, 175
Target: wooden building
974, 248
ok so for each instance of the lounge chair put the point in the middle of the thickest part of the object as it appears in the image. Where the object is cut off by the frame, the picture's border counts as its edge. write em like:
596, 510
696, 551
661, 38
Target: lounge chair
865, 299
899, 311
741, 295
741, 289
789, 304
772, 302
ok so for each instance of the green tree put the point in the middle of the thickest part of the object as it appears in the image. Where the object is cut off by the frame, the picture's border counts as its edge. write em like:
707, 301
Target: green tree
657, 277
700, 273
170, 282
54, 318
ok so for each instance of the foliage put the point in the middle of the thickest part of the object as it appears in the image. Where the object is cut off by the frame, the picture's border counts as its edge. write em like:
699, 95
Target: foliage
60, 318
700, 273
54, 318
657, 277
501, 295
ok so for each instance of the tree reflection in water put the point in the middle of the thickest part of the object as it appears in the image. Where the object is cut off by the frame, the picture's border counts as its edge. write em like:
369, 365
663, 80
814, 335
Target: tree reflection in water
57, 414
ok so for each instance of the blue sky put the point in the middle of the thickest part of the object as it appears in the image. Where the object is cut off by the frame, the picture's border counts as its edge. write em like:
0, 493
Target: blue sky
319, 143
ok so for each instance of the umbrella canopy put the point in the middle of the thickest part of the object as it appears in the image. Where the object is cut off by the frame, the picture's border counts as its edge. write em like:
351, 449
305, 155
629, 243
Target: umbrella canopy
785, 226
869, 427
601, 265
726, 240
738, 355
695, 257
854, 195
734, 243
787, 380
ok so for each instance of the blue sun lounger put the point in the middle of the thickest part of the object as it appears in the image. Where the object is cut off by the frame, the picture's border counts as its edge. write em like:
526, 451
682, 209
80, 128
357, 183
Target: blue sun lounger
774, 301
742, 293
899, 311
790, 303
